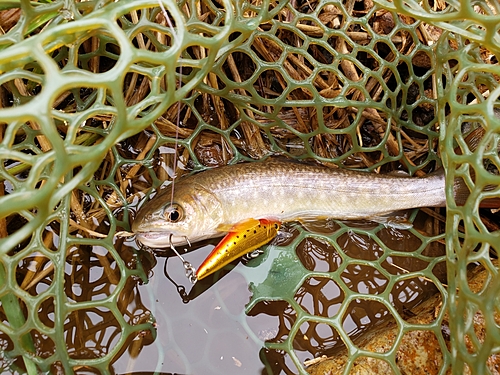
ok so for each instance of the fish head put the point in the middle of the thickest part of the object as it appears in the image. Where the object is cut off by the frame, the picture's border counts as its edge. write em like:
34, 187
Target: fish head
191, 214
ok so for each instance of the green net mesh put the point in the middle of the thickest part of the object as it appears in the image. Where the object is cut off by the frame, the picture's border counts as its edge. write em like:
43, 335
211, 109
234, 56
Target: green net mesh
88, 123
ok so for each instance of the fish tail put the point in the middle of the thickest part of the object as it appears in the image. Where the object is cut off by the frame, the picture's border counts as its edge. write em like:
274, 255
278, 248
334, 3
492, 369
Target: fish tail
461, 190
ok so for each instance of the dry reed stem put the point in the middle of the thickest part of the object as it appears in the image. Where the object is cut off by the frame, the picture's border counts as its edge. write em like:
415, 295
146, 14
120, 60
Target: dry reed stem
45, 145
61, 98
100, 214
113, 200
9, 18
3, 221
73, 225
302, 119
420, 277
78, 210
305, 119
491, 225
94, 62
431, 212
108, 270
349, 70
131, 88
168, 128
437, 226
251, 132
139, 37
218, 103
32, 277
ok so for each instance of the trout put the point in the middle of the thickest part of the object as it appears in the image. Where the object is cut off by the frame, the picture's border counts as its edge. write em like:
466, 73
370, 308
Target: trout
207, 204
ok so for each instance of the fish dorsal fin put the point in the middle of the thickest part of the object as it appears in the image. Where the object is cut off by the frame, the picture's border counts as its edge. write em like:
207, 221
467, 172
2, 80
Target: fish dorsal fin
398, 173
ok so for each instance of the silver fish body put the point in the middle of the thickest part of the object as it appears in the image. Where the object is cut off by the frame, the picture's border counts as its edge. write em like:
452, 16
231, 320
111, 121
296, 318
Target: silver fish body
206, 204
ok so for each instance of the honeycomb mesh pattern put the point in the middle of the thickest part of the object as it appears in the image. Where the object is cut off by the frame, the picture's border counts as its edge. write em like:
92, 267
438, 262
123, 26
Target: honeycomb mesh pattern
88, 120
469, 76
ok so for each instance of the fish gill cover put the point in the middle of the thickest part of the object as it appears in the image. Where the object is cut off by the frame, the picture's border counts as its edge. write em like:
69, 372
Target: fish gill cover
88, 119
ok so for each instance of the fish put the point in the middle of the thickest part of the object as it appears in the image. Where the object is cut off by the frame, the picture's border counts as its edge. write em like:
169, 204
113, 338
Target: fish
207, 204
242, 239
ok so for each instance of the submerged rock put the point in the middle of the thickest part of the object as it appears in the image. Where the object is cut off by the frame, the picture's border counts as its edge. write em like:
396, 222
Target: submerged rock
419, 351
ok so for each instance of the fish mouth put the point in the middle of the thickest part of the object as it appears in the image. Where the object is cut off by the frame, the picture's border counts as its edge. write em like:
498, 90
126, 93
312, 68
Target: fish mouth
161, 239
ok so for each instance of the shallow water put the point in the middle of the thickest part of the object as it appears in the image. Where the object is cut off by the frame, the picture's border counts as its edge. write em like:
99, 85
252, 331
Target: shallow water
209, 333
204, 329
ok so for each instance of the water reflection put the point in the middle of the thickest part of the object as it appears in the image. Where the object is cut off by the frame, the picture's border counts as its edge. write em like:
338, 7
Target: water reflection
355, 266
170, 326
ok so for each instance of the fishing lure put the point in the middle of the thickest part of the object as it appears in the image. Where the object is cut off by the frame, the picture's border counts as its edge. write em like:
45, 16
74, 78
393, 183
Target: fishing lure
242, 239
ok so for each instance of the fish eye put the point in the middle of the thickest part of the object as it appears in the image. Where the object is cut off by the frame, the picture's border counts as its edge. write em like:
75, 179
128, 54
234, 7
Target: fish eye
173, 213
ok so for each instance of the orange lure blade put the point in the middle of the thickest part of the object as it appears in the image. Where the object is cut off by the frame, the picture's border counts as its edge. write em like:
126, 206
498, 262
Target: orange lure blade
242, 239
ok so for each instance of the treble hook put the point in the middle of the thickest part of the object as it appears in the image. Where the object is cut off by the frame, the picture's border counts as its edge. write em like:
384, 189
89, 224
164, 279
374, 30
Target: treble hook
190, 270
254, 254
180, 288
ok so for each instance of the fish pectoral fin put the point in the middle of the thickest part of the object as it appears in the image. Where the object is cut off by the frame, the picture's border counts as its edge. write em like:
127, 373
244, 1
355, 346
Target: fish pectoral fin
224, 228
240, 226
395, 220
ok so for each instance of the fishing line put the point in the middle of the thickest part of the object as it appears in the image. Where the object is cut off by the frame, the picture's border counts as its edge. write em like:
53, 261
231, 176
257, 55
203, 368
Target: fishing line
176, 142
